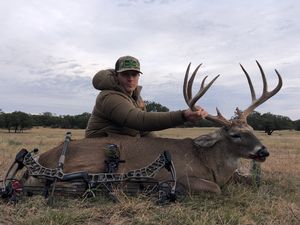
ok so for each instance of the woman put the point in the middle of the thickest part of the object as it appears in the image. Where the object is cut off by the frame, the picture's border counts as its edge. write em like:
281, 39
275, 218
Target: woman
120, 109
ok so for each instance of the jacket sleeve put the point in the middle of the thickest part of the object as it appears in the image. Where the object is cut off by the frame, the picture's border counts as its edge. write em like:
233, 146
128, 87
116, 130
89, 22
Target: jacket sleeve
122, 111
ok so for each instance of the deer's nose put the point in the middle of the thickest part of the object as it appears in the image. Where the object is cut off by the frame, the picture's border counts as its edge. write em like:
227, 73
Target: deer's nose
263, 152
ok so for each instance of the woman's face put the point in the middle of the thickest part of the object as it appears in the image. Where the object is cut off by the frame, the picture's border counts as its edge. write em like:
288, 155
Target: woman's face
129, 80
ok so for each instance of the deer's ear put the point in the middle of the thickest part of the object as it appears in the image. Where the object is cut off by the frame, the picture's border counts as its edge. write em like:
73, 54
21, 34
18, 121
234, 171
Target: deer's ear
207, 140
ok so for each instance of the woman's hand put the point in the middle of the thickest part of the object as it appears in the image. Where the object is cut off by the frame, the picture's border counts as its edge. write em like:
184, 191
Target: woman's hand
192, 116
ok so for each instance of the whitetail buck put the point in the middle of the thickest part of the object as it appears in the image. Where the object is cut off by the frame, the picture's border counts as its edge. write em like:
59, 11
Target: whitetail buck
202, 164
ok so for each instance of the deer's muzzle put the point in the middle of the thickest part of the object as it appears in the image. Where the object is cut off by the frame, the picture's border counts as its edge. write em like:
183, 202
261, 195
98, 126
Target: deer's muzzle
261, 154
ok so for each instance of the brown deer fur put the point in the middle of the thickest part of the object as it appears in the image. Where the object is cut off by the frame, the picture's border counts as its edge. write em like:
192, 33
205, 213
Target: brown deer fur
202, 164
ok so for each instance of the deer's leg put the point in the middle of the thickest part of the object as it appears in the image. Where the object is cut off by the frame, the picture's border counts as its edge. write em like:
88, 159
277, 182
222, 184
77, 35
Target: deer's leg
247, 179
198, 185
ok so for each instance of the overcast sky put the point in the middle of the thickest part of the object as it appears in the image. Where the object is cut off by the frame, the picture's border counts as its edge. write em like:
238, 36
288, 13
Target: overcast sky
51, 49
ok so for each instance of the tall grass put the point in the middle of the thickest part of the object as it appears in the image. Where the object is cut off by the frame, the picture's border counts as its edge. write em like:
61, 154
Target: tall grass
276, 201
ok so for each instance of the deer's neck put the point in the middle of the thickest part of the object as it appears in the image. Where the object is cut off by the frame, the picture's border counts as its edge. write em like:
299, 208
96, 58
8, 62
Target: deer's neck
221, 164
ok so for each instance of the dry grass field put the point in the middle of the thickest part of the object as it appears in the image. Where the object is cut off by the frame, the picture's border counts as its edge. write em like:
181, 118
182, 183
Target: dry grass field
276, 201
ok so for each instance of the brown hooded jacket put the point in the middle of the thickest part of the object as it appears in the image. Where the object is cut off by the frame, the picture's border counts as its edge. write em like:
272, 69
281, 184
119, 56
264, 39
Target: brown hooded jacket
117, 112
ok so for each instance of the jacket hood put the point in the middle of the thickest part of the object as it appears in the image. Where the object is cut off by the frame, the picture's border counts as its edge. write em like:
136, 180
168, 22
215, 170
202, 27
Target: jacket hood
107, 80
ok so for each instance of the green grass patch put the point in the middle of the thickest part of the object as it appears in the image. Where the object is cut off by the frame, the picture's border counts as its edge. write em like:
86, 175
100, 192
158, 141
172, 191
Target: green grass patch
14, 142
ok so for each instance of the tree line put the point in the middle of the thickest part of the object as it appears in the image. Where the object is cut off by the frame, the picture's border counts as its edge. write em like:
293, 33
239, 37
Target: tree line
18, 121
265, 122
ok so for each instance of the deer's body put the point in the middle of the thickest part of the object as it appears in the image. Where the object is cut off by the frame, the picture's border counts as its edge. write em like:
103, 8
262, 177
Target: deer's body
202, 164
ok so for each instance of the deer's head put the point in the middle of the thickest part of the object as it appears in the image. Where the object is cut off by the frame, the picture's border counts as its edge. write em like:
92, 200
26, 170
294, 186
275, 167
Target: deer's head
236, 131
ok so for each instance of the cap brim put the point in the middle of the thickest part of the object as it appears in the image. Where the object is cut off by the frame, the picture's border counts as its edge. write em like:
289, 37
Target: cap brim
128, 69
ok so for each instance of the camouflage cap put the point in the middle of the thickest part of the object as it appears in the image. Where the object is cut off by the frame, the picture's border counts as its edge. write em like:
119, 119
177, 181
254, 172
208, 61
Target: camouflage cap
126, 63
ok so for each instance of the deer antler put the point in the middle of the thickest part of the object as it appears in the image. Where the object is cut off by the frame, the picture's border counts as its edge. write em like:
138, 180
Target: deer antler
265, 95
190, 101
241, 115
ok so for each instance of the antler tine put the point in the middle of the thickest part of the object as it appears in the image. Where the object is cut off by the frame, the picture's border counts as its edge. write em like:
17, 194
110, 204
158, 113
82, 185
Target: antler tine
202, 91
265, 95
265, 85
191, 81
220, 119
250, 84
185, 92
188, 83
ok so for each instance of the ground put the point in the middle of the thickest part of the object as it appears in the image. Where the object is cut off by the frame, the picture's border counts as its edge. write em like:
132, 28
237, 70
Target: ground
276, 201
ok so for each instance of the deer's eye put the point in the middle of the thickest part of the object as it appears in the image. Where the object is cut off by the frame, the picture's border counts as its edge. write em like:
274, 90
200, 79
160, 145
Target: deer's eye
235, 136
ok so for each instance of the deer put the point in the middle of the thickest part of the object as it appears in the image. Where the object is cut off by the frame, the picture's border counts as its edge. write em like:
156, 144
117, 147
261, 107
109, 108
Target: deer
205, 163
